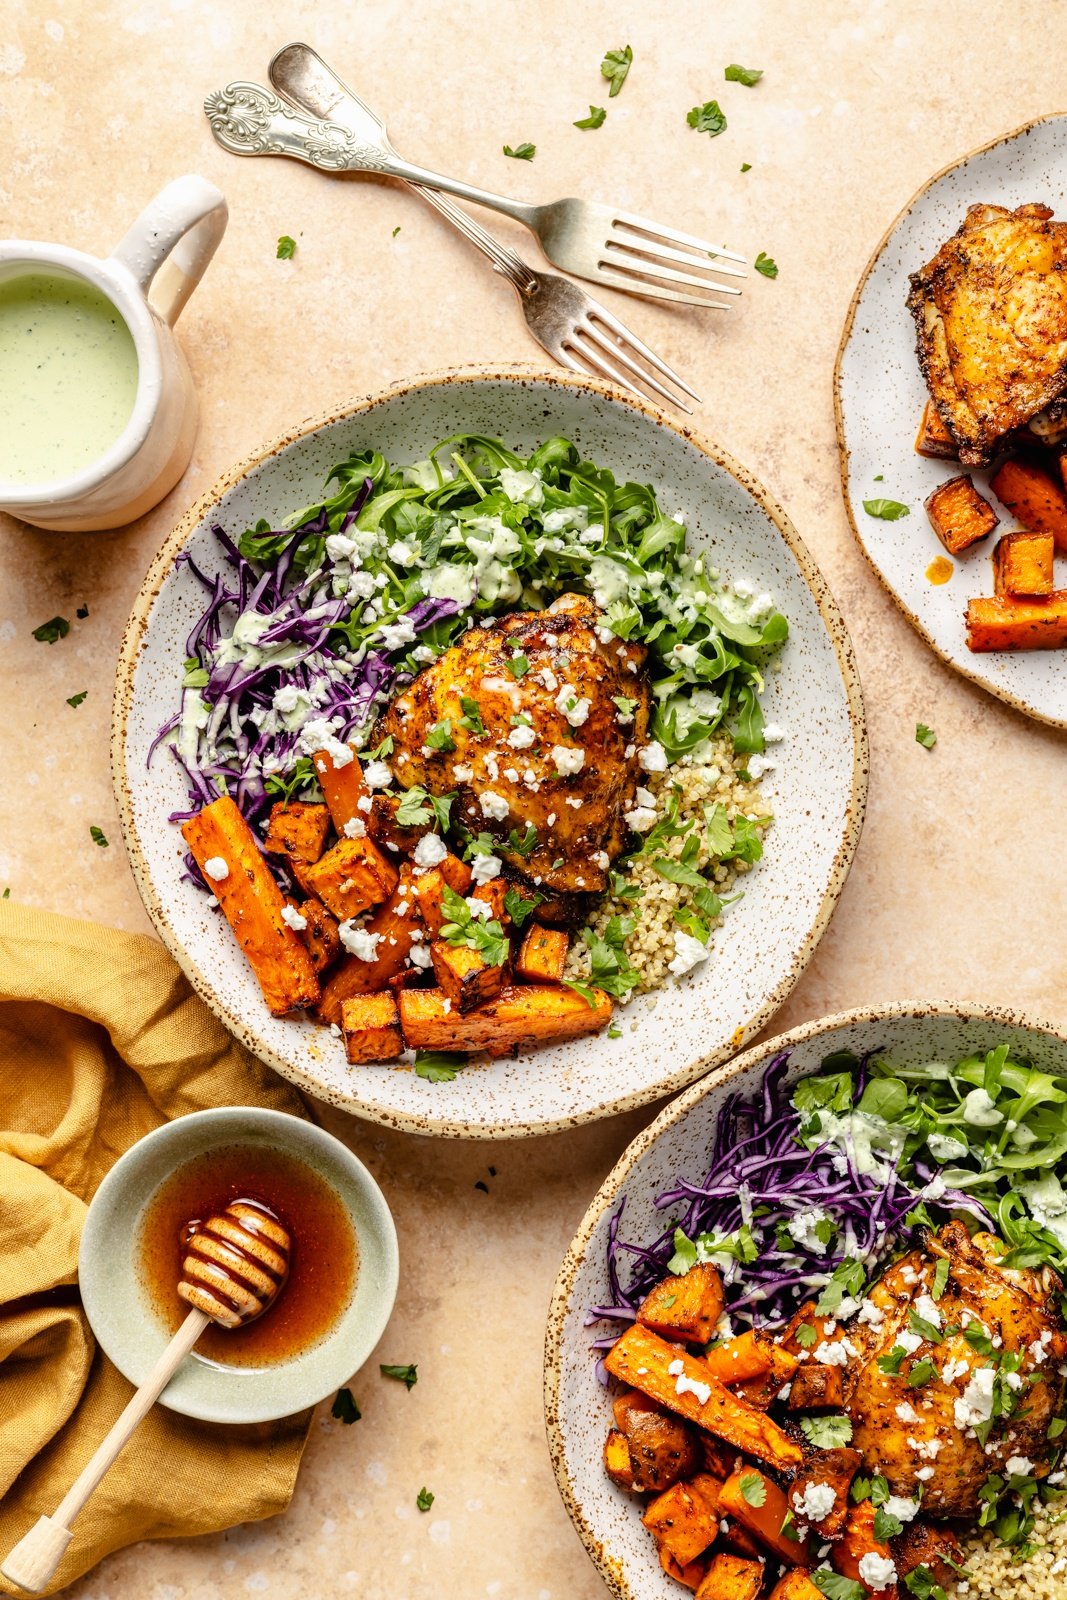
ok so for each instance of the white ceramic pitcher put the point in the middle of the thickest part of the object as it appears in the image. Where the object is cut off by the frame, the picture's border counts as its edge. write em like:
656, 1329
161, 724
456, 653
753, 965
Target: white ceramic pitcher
166, 251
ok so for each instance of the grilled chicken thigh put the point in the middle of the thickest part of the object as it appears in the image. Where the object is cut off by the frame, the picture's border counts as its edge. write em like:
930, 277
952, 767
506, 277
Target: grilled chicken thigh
990, 310
923, 1438
521, 719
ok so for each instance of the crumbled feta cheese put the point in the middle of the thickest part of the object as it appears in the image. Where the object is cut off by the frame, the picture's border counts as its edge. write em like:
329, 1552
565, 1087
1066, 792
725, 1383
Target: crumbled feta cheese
1039, 1348
772, 733
355, 828
898, 1506
401, 554
602, 860
1018, 1467
216, 869
684, 1385
318, 734
419, 956
548, 679
393, 634
644, 797
871, 1314
801, 1227
816, 1502
756, 766
876, 1571
568, 705
688, 953
376, 775
567, 761
430, 850
359, 942
908, 1341
485, 867
479, 908
640, 819
924, 1474
462, 772
493, 805
364, 803
976, 1404
907, 1412
574, 801
926, 1307
925, 1448
831, 1354
652, 757
293, 919
522, 736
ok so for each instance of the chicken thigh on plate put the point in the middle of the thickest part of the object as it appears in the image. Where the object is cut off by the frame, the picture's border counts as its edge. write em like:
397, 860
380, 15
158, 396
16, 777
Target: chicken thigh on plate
960, 1371
534, 721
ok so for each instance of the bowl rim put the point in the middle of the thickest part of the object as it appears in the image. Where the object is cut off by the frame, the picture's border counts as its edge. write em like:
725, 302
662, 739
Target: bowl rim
135, 633
261, 1121
609, 1566
1000, 691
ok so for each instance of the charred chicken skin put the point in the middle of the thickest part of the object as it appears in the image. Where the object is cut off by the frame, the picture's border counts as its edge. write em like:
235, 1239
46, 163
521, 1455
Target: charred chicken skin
990, 311
969, 1382
533, 721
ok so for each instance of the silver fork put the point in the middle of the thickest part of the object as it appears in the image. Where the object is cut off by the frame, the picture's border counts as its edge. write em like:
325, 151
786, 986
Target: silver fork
591, 241
574, 328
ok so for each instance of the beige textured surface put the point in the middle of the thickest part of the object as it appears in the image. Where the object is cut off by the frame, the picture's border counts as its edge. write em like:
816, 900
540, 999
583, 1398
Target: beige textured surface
950, 895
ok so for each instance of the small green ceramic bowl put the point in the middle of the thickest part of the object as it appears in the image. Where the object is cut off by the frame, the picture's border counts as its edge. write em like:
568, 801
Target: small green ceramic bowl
131, 1331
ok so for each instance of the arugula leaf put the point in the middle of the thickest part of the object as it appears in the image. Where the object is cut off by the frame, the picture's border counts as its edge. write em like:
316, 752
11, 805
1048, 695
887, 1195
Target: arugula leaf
521, 152
424, 1499
925, 736
438, 1066
408, 1375
286, 248
765, 265
746, 75
97, 836
941, 1271
753, 1488
345, 1408
51, 632
888, 510
826, 1433
615, 66
708, 118
76, 699
595, 119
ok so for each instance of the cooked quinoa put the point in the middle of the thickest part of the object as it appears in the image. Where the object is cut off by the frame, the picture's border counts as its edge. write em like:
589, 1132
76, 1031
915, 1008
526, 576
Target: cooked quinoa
993, 1573
717, 777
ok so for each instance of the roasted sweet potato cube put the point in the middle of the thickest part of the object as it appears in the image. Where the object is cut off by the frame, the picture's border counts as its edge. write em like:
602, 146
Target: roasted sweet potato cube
734, 1538
959, 515
683, 1520
386, 831
1033, 497
343, 790
515, 1020
836, 1468
856, 1542
922, 1545
399, 929
221, 840
731, 1578
817, 1388
795, 1585
1023, 563
933, 438
805, 1330
371, 1026
771, 1522
298, 830
1001, 622
464, 974
617, 1459
493, 894
691, 1576
662, 1448
542, 954
429, 887
352, 877
720, 1458
762, 1389
686, 1308
319, 934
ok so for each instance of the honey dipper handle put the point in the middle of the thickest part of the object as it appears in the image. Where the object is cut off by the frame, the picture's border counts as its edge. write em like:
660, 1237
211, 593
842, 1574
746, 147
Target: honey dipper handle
33, 1561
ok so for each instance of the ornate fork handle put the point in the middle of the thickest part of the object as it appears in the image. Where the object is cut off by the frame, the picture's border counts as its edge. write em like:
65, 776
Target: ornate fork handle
248, 120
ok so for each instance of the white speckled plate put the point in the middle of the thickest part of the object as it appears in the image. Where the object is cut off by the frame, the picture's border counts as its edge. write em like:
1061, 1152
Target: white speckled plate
677, 1145
879, 396
818, 791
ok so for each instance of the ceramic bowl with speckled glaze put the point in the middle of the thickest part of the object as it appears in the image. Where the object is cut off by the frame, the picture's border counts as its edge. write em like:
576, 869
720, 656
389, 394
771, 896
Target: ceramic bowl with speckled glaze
129, 1326
677, 1145
817, 790
879, 395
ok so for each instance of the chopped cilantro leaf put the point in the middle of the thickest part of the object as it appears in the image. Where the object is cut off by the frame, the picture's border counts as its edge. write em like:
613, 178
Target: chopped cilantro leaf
595, 119
887, 510
519, 665
97, 836
826, 1433
521, 152
440, 736
409, 1375
764, 264
927, 738
438, 1066
753, 1488
614, 67
424, 1499
76, 699
345, 1408
286, 248
708, 118
746, 75
50, 632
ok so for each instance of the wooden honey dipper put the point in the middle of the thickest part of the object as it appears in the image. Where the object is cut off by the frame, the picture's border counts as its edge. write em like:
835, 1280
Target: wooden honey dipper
234, 1267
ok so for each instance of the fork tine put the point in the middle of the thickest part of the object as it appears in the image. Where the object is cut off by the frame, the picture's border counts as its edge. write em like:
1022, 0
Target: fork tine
569, 359
590, 331
656, 230
638, 269
653, 291
663, 252
613, 325
600, 362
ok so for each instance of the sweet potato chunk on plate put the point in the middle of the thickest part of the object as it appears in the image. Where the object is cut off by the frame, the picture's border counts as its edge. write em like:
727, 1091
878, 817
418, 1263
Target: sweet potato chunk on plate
543, 954
232, 863
1033, 497
429, 888
796, 1585
319, 934
686, 1308
342, 789
731, 1578
1023, 564
464, 975
371, 1026
352, 877
298, 830
662, 1448
684, 1520
769, 1522
959, 515
1002, 622
933, 438
397, 923
516, 1019
817, 1388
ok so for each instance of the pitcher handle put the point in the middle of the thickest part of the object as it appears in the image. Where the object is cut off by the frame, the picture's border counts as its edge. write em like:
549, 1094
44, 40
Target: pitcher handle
176, 236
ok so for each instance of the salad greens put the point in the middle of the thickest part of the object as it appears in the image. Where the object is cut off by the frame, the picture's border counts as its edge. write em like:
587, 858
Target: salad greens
310, 628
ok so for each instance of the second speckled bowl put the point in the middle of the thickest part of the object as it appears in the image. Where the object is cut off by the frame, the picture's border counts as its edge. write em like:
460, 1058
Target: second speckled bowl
668, 1039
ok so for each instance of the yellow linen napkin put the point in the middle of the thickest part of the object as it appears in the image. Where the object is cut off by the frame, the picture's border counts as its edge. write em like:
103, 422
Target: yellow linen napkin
101, 1040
